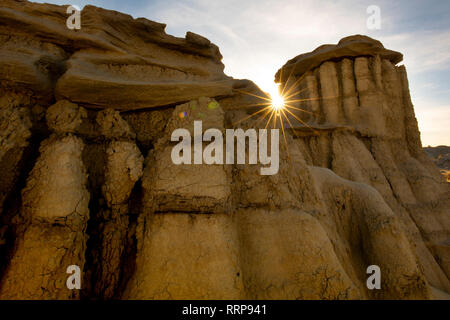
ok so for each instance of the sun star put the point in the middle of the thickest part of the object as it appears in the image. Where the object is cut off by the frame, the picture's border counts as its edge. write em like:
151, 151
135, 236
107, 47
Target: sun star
277, 102
276, 107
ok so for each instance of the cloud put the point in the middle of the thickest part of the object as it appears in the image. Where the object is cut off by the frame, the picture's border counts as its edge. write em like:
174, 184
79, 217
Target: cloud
423, 50
258, 37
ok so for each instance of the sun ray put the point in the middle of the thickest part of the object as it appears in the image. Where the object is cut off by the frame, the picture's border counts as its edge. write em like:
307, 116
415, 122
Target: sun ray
258, 104
292, 127
282, 129
251, 115
311, 99
299, 109
289, 77
279, 107
289, 121
275, 119
300, 120
262, 118
294, 84
270, 118
286, 97
254, 95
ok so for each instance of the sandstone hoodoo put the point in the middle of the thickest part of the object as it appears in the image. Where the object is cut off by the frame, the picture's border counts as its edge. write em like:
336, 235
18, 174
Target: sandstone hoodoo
86, 120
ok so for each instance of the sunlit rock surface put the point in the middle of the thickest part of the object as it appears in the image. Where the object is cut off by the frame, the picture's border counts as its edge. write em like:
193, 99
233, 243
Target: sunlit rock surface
86, 118
362, 126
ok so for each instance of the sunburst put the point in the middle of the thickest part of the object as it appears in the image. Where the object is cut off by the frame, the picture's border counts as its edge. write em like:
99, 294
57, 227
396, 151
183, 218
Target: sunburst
277, 108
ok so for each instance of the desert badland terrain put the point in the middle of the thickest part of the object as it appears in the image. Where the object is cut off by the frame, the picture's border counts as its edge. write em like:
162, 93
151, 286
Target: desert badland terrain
87, 179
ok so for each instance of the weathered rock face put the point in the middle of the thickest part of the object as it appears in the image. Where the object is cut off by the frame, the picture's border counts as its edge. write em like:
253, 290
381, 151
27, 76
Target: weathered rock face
360, 123
55, 205
86, 119
133, 63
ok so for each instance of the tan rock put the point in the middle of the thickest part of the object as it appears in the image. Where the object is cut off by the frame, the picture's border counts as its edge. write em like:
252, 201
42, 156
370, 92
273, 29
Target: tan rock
182, 256
112, 125
354, 187
352, 46
123, 168
187, 187
15, 125
55, 201
65, 116
377, 143
56, 186
135, 66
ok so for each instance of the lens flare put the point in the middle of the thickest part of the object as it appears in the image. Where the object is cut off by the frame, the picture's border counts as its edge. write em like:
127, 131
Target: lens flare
280, 108
276, 99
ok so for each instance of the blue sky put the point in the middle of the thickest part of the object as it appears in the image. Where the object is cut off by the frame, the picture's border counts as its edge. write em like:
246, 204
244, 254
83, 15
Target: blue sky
256, 37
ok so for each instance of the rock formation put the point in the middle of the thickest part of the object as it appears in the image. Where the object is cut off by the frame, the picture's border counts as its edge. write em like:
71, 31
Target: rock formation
361, 125
86, 118
441, 157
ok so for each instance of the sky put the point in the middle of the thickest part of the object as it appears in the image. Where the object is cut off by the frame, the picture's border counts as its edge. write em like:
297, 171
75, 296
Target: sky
256, 37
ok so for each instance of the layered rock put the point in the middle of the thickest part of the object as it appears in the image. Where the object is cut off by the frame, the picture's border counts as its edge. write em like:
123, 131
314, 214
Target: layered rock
123, 168
188, 187
133, 63
360, 123
350, 47
304, 233
353, 189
